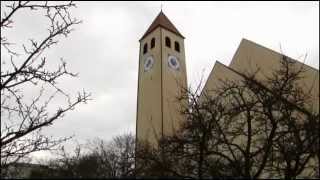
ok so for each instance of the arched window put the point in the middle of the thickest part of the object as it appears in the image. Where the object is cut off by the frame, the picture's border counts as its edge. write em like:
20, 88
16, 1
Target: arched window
176, 46
168, 42
145, 48
153, 42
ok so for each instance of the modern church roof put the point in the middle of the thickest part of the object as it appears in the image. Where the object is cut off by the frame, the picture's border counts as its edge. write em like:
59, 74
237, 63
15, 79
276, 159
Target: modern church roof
252, 58
162, 21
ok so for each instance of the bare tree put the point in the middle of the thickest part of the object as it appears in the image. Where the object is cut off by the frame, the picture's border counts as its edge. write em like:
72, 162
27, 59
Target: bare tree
96, 159
297, 137
160, 161
22, 121
115, 158
187, 153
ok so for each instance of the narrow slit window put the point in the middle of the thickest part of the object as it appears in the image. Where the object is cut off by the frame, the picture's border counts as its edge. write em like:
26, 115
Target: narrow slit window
176, 46
145, 48
168, 42
153, 42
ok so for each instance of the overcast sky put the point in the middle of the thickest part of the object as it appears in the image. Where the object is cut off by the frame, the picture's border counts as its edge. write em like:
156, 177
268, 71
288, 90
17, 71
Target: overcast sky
104, 50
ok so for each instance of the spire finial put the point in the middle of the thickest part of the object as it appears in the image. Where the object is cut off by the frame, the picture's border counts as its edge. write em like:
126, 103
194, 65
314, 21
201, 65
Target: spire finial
161, 7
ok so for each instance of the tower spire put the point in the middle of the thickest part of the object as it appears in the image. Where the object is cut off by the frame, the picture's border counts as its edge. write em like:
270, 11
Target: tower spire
162, 21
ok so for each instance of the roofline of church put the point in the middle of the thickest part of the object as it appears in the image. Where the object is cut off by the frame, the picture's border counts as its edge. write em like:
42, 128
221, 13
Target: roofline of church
238, 73
280, 53
303, 110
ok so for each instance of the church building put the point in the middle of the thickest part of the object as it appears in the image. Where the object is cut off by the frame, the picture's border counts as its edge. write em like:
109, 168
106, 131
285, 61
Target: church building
162, 75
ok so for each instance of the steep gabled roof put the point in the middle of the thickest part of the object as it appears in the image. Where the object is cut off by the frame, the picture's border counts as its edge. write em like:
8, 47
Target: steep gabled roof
162, 21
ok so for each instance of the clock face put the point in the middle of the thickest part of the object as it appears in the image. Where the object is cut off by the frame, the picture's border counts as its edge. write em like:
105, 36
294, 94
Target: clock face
148, 63
173, 62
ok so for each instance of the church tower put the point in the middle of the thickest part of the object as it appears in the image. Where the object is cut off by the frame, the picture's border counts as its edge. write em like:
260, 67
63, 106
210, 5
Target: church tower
162, 74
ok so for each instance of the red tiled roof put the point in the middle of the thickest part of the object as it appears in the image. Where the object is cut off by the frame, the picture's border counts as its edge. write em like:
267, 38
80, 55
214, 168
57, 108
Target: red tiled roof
162, 21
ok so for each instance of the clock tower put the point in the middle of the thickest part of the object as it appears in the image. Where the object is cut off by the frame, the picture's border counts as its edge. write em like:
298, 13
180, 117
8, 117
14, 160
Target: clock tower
162, 75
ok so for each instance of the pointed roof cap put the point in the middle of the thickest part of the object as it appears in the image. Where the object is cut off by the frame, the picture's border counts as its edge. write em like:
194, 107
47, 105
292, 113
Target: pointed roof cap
162, 21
